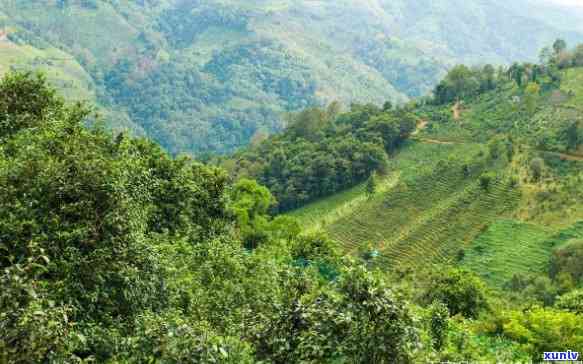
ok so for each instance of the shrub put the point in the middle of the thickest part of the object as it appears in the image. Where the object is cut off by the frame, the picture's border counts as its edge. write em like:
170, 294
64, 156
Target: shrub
541, 330
537, 166
486, 180
461, 291
572, 301
567, 259
438, 324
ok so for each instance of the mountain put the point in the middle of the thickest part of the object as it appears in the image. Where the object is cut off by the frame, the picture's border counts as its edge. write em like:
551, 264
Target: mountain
463, 244
210, 75
492, 183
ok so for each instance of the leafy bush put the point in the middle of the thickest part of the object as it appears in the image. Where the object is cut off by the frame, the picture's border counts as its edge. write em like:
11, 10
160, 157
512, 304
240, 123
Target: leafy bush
542, 330
567, 259
572, 301
461, 291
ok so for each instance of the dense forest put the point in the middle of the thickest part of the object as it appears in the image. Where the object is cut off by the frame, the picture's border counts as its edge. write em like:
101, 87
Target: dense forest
209, 76
324, 151
112, 250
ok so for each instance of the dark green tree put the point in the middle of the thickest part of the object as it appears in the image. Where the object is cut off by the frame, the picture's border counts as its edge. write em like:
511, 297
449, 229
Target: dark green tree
461, 291
371, 184
559, 46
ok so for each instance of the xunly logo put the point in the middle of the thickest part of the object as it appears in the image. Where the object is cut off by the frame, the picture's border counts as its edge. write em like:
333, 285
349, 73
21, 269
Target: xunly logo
561, 355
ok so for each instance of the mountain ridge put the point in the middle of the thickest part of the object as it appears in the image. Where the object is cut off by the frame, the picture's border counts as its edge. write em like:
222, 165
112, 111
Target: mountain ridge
209, 75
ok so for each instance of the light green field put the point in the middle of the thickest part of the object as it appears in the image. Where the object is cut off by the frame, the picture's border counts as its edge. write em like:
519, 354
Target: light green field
510, 247
427, 211
61, 69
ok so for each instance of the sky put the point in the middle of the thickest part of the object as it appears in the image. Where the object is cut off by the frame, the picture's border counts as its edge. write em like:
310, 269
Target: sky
577, 3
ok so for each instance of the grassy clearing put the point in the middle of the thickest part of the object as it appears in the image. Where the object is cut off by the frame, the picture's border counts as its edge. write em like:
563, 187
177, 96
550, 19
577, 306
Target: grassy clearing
509, 247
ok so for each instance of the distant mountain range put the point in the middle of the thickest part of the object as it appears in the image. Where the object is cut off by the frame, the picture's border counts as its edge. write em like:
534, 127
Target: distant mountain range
209, 75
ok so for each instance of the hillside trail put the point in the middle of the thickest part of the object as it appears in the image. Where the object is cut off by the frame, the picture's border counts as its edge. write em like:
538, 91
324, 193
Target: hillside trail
566, 156
435, 141
457, 110
422, 124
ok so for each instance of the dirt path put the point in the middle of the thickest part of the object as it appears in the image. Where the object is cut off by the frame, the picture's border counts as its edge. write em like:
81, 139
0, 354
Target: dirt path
435, 141
567, 157
457, 110
421, 124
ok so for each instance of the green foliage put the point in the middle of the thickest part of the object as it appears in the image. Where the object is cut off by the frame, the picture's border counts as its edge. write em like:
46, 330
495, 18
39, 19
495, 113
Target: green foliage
314, 247
486, 180
26, 102
542, 330
567, 259
82, 199
439, 324
537, 166
371, 184
321, 152
33, 327
572, 301
358, 320
171, 338
461, 291
250, 203
462, 83
80, 217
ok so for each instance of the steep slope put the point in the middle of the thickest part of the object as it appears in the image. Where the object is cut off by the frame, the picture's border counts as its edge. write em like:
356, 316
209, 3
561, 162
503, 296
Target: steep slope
207, 75
494, 190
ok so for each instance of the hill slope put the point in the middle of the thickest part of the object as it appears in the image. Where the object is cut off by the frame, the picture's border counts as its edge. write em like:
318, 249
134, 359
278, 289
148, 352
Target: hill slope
495, 189
208, 75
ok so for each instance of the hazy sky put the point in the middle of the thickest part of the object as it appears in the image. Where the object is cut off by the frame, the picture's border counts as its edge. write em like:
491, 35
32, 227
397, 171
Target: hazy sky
566, 2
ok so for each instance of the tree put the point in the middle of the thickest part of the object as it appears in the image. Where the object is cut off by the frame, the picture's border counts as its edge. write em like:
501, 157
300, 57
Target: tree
371, 184
461, 291
438, 324
486, 180
459, 83
531, 96
27, 101
250, 203
567, 258
572, 135
307, 123
559, 46
546, 56
358, 320
540, 330
537, 166
572, 301
488, 78
578, 56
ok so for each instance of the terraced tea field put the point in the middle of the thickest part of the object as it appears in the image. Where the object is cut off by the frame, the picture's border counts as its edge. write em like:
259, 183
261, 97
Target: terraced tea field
426, 220
429, 206
510, 247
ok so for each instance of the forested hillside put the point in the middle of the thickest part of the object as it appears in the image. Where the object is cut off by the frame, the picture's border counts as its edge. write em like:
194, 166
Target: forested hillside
210, 75
324, 151
112, 251
491, 182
